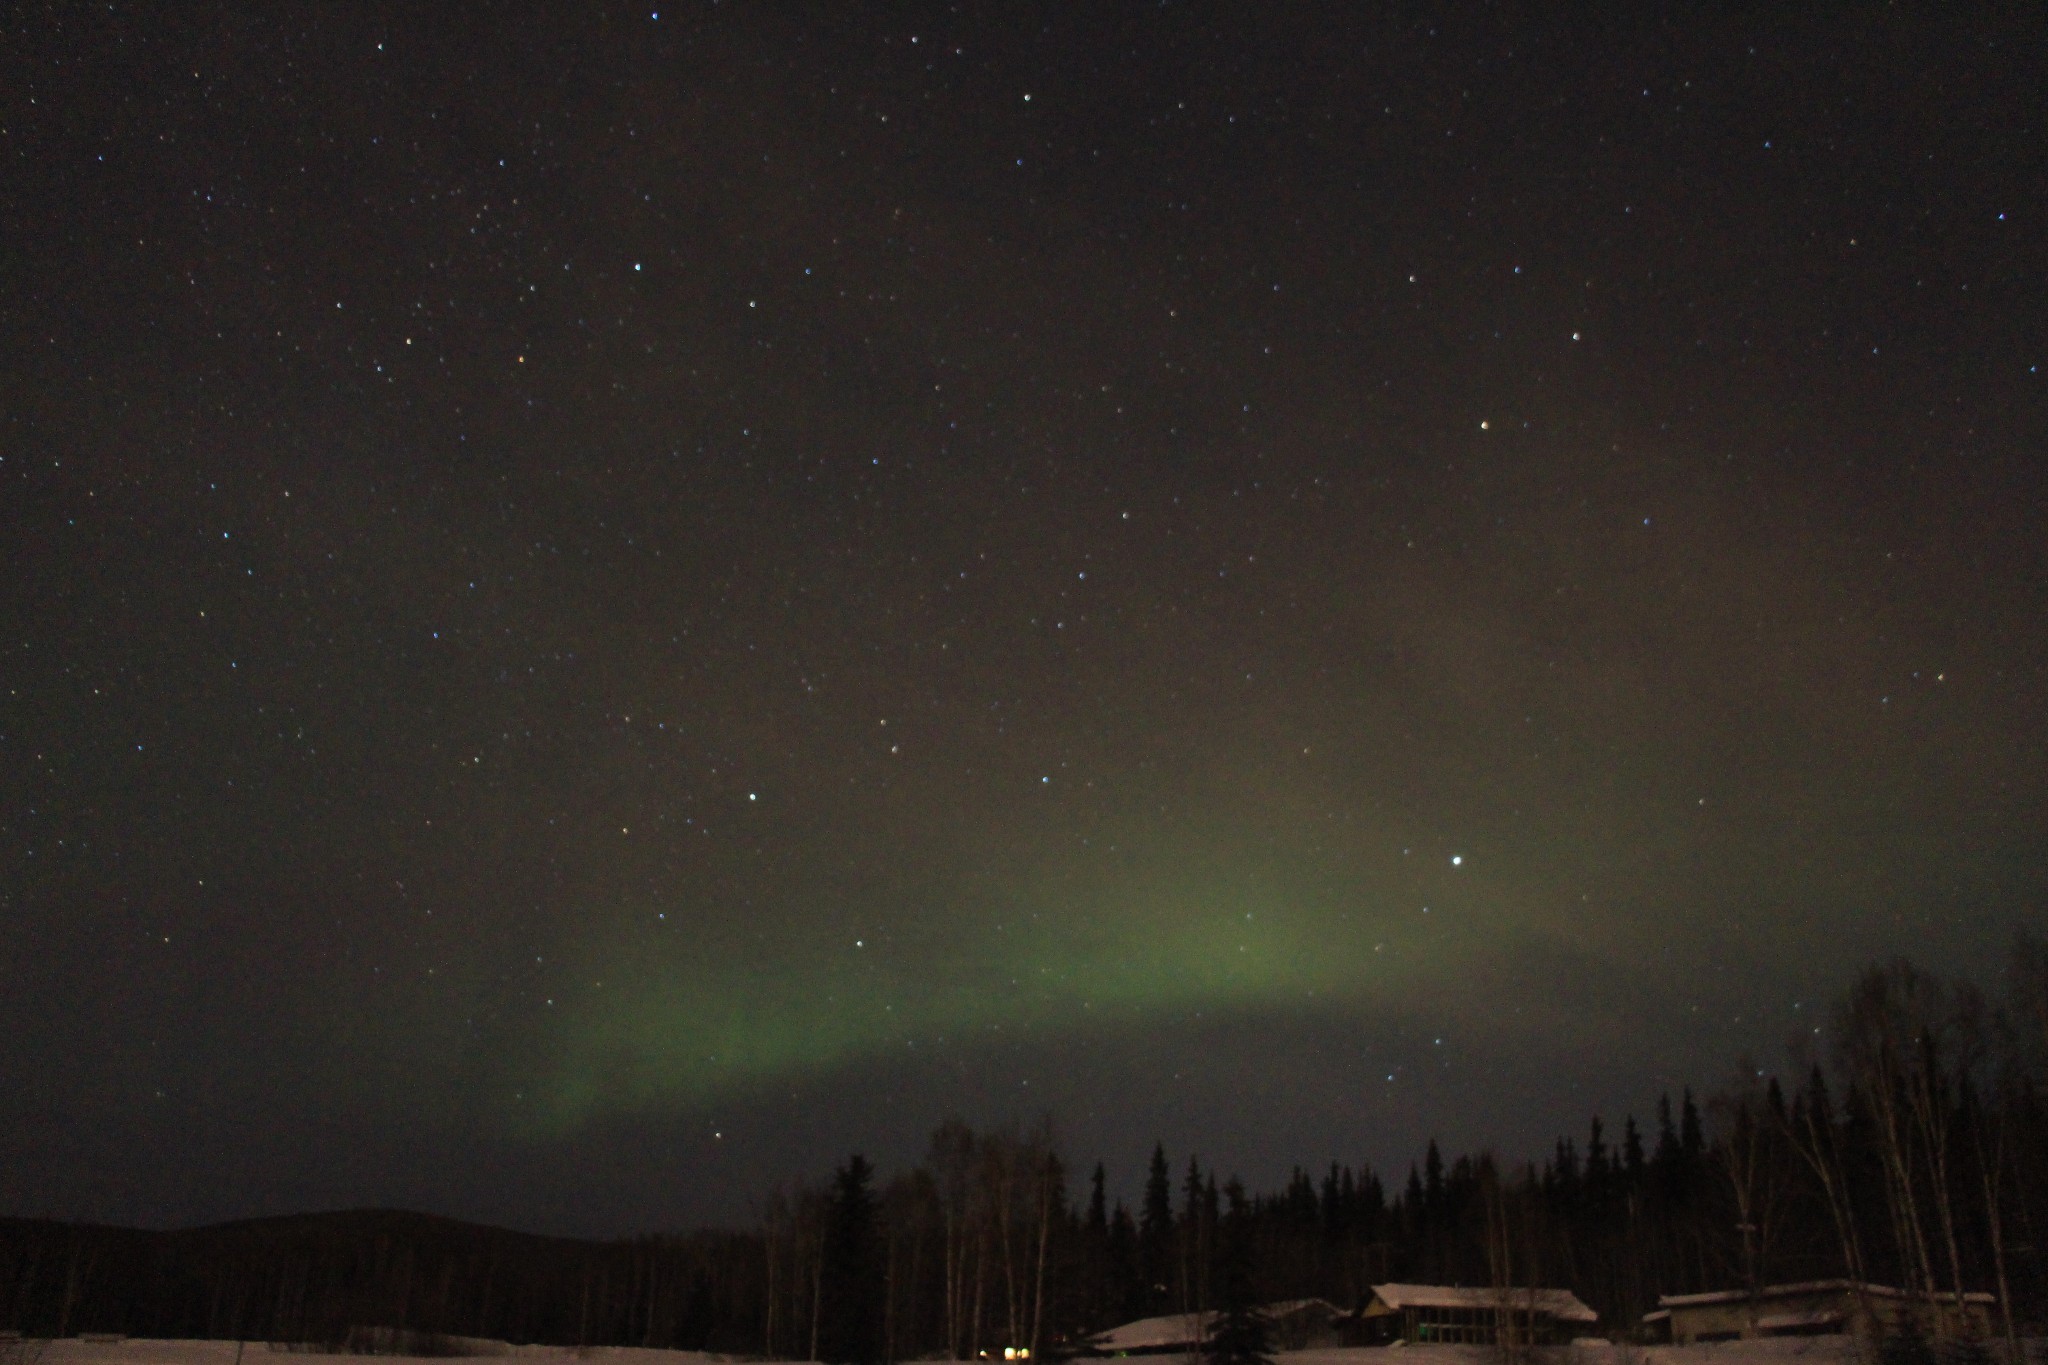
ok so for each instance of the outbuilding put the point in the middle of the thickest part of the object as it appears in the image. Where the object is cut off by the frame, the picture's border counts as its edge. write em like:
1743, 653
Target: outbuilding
1419, 1313
1815, 1308
1292, 1325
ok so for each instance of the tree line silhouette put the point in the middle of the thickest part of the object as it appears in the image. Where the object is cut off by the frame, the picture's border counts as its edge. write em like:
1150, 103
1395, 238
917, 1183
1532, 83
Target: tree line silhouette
1914, 1152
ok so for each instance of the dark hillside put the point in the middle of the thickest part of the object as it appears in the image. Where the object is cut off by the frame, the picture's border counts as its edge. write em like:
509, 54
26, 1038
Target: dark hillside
319, 1277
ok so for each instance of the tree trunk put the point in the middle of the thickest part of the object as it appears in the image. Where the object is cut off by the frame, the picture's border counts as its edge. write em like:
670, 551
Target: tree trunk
817, 1301
1991, 1169
980, 1293
1044, 1233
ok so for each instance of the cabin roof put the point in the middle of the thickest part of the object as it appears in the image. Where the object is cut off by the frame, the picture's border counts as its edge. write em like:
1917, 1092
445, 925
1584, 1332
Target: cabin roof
1804, 1287
1561, 1304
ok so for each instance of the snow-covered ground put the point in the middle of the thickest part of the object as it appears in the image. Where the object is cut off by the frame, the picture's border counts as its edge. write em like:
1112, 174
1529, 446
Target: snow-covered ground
139, 1351
1767, 1351
1764, 1351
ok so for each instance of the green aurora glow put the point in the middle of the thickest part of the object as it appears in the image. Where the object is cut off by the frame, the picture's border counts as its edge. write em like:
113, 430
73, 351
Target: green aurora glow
660, 1033
661, 1029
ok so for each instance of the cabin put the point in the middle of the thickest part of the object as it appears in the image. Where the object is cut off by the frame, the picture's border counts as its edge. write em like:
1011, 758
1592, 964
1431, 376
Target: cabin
1454, 1314
1172, 1334
1295, 1325
1816, 1308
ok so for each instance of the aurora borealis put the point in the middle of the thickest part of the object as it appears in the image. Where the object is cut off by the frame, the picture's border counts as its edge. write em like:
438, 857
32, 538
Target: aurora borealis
605, 607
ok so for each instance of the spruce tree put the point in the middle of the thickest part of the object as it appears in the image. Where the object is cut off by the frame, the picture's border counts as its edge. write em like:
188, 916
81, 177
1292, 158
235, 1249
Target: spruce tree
1155, 1230
1238, 1335
1632, 1152
1667, 1134
1691, 1136
1129, 1291
850, 1292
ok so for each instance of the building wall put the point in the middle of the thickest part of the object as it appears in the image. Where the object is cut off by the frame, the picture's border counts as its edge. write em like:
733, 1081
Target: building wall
1875, 1315
1722, 1321
1941, 1318
1473, 1326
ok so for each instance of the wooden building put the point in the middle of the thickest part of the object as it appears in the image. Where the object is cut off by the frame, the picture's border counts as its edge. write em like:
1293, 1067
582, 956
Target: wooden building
1419, 1313
1295, 1325
1815, 1308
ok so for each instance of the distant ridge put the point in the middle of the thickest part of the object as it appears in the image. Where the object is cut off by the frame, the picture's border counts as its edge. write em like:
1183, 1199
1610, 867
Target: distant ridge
321, 1277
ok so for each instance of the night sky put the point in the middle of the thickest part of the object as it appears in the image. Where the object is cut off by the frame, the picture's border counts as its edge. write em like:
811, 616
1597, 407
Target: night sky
603, 606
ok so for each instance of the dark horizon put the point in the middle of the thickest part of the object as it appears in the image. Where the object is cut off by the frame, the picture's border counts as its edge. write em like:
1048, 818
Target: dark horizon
1786, 1190
606, 608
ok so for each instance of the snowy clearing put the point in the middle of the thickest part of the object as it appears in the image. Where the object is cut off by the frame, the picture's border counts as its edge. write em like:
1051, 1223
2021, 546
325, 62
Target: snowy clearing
1823, 1350
1817, 1350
